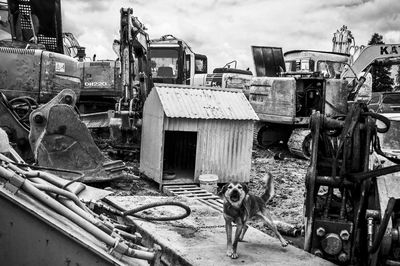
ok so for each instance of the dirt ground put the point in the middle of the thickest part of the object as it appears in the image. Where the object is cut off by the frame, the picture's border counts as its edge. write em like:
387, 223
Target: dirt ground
287, 170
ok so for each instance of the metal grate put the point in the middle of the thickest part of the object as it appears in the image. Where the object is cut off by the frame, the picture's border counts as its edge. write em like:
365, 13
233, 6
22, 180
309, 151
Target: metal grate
49, 42
195, 192
25, 16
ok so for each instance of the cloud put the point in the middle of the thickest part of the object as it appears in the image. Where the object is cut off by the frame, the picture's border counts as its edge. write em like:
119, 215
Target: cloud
224, 30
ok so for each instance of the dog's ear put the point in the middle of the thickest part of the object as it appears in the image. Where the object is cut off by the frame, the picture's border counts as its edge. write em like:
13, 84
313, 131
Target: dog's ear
223, 190
245, 188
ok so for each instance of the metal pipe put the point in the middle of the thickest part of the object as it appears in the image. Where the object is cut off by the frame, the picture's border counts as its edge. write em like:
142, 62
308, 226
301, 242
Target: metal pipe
382, 228
343, 205
328, 201
370, 230
333, 182
120, 247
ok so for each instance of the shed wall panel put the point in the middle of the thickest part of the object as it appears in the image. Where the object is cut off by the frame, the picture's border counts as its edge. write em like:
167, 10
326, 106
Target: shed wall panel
151, 151
181, 124
224, 148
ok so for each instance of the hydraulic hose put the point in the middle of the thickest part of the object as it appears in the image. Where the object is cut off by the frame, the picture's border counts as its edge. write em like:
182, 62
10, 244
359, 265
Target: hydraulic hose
61, 192
53, 179
29, 188
133, 211
380, 117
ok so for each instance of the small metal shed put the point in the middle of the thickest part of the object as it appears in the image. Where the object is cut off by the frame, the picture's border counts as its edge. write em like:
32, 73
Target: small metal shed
190, 131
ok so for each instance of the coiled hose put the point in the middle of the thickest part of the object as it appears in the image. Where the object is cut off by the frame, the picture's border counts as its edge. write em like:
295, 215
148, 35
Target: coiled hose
133, 212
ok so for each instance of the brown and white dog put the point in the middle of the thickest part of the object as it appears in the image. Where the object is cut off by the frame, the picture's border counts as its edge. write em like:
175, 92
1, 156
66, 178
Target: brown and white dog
239, 206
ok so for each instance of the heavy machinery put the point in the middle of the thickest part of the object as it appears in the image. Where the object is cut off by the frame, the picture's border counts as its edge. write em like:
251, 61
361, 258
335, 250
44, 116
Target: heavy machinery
67, 222
130, 75
32, 62
174, 62
40, 86
308, 81
288, 90
352, 199
352, 189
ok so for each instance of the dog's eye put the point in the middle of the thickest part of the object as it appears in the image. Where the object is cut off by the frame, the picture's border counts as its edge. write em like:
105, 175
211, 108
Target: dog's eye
230, 187
239, 187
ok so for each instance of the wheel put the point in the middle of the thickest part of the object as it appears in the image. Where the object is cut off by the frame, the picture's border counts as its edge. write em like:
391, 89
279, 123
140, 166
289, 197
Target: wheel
307, 146
270, 134
300, 143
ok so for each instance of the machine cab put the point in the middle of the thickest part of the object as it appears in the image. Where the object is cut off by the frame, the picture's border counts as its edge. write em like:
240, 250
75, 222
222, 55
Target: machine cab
36, 22
173, 61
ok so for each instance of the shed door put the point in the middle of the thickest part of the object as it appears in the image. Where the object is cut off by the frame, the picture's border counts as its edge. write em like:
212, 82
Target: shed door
179, 156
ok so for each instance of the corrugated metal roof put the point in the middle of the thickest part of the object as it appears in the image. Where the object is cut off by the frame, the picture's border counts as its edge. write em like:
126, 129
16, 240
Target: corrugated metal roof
203, 103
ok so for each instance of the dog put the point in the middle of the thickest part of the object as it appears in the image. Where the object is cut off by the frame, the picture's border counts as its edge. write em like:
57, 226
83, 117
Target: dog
239, 206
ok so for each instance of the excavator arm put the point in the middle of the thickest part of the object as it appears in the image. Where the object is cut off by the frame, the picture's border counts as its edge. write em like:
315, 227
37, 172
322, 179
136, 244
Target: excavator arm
369, 55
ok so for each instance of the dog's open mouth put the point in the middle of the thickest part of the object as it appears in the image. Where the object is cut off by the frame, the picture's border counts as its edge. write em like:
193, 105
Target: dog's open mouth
235, 196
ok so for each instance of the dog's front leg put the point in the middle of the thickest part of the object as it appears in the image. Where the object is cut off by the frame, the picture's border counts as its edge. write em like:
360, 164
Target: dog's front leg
228, 230
239, 228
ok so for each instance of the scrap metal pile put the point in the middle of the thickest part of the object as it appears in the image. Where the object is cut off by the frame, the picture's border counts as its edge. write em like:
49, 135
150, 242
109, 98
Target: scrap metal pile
74, 201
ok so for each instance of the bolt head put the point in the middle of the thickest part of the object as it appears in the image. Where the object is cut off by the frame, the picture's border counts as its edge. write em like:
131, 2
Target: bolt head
345, 235
68, 99
320, 231
318, 253
38, 118
343, 257
331, 244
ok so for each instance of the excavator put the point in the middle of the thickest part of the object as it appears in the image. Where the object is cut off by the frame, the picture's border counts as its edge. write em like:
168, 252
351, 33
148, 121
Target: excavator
40, 85
352, 202
288, 88
173, 61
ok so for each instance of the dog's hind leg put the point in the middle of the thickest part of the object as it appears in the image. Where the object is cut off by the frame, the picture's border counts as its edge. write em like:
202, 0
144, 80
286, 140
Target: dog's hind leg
268, 220
245, 227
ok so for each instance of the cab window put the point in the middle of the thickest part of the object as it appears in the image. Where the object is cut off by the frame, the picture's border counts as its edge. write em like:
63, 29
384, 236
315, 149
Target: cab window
164, 63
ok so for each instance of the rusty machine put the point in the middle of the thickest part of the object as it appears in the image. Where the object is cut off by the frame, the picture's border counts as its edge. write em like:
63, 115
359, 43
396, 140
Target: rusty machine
39, 88
352, 184
68, 222
287, 90
130, 81
352, 199
173, 61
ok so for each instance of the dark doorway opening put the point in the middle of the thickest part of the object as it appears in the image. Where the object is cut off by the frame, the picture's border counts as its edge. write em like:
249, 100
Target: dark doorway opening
179, 156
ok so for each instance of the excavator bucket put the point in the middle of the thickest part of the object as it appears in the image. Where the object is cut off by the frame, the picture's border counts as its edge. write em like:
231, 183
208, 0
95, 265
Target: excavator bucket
59, 139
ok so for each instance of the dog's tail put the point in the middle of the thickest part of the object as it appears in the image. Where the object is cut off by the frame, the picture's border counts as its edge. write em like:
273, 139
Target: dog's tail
269, 190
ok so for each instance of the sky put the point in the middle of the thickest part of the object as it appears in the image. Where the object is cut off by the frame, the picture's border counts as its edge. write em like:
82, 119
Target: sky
224, 30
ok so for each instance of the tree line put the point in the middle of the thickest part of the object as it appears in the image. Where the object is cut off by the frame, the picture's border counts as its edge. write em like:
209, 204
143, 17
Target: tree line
381, 73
